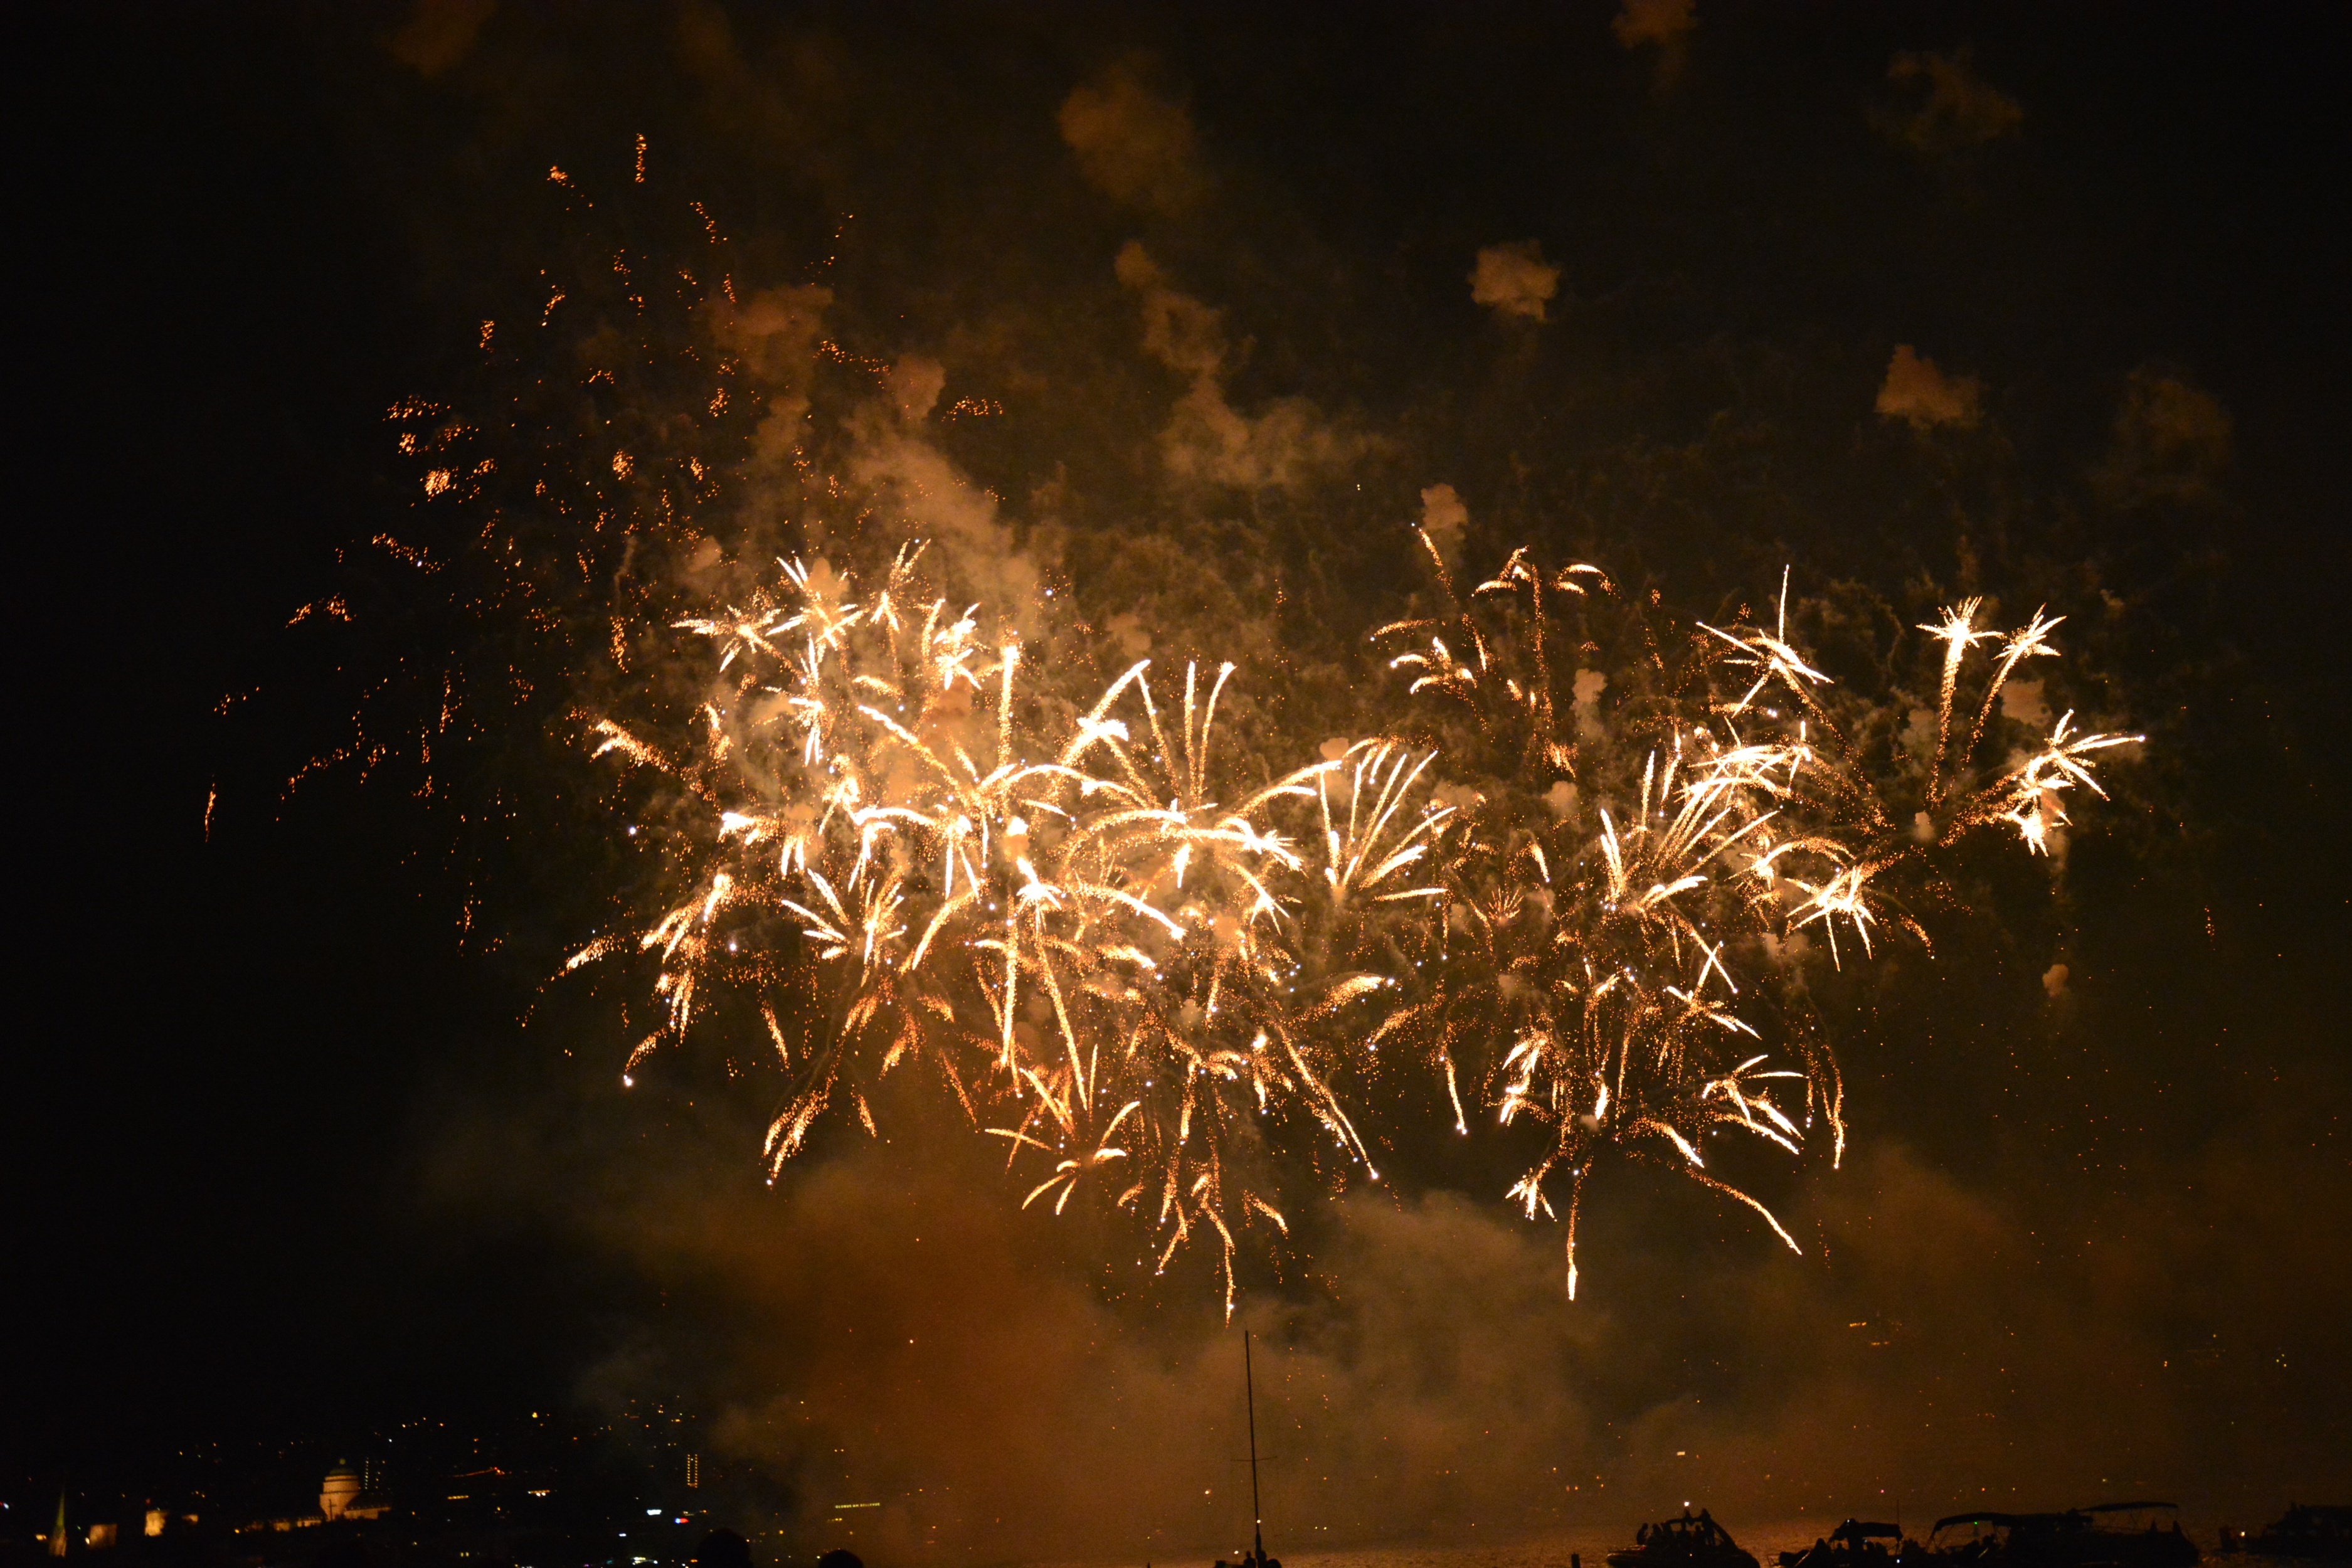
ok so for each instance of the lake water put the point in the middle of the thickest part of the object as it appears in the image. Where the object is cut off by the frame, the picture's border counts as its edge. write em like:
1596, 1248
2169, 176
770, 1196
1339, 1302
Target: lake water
1590, 1545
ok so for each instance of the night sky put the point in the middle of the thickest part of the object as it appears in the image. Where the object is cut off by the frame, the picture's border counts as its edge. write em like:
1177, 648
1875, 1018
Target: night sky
285, 1154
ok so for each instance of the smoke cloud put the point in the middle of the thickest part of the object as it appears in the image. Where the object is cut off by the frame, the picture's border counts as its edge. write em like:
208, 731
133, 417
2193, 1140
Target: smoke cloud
1444, 517
899, 1332
894, 458
1666, 24
1514, 279
1207, 441
439, 33
2024, 701
1959, 110
1917, 391
1133, 144
2172, 440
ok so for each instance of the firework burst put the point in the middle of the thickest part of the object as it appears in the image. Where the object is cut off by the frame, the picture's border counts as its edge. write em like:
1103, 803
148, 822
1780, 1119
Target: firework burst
1626, 901
1120, 955
1161, 973
843, 782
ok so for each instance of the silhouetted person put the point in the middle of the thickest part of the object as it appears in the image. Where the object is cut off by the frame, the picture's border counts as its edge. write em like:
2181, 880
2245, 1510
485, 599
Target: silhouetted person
723, 1549
840, 1557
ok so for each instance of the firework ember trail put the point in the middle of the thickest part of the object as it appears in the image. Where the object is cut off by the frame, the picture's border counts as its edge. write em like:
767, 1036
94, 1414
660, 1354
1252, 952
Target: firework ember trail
1566, 896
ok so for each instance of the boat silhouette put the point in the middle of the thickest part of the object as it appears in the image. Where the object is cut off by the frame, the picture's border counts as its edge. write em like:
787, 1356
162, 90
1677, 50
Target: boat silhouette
1693, 1541
1257, 1557
1857, 1543
2104, 1535
2312, 1533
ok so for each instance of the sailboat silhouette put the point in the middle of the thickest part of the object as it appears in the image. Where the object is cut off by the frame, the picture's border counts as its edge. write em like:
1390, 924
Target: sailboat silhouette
1257, 1557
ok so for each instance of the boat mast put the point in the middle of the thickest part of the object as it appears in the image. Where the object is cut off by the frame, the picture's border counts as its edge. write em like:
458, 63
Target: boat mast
1249, 1390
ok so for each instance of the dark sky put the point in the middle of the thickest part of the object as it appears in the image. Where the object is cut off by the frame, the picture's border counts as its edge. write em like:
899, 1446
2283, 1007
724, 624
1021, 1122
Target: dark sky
282, 1155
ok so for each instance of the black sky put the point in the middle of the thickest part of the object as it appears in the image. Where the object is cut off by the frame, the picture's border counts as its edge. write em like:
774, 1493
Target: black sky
281, 1157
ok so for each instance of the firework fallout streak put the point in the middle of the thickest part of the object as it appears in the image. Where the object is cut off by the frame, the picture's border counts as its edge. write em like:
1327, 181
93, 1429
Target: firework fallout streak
1570, 890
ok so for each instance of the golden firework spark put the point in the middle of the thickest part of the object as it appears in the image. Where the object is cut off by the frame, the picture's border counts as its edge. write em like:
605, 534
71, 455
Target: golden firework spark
1154, 976
1116, 952
1624, 902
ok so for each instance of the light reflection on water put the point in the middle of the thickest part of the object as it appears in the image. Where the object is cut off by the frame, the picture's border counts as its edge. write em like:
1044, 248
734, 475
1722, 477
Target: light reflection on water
1585, 1545
1590, 1543
1588, 1546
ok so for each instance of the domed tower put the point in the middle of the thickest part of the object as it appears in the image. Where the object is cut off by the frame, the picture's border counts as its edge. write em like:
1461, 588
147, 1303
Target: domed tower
342, 1484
